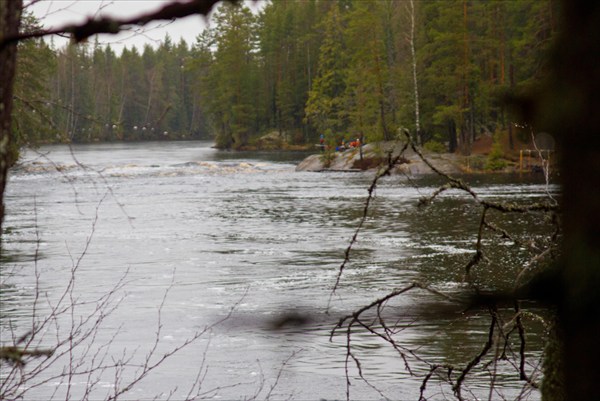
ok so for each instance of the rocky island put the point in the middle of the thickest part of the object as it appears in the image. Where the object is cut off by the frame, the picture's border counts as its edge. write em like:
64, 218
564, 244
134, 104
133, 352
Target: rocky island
374, 154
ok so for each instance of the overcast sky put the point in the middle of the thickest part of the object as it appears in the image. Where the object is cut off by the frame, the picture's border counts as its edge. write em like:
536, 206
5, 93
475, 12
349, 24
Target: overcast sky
56, 13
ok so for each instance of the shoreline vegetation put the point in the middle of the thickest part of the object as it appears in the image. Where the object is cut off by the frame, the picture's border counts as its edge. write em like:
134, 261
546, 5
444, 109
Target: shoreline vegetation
486, 156
296, 73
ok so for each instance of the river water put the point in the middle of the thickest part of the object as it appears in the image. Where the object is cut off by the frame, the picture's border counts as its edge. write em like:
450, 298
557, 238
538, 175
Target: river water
195, 234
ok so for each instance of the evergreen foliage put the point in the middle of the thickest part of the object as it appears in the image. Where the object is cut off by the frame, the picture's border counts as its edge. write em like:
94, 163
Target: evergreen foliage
35, 64
302, 68
495, 160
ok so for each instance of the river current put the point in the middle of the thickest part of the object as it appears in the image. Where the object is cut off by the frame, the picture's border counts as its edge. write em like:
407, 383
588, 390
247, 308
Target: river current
183, 235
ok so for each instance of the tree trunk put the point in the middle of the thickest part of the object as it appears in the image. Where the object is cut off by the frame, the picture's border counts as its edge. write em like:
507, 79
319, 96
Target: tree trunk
465, 130
10, 18
511, 142
579, 130
452, 142
574, 81
414, 71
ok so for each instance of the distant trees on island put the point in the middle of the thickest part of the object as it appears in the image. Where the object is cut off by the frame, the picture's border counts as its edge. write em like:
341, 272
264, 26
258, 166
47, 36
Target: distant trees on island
345, 69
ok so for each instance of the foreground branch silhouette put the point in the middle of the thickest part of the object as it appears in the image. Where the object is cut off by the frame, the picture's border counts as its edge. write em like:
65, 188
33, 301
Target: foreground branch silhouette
61, 345
94, 26
568, 105
505, 311
32, 354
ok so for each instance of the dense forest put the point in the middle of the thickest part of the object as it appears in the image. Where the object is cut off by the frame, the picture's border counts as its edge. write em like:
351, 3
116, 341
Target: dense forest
342, 69
439, 68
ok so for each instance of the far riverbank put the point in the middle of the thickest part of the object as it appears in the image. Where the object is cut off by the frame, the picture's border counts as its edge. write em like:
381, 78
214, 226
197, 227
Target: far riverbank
374, 154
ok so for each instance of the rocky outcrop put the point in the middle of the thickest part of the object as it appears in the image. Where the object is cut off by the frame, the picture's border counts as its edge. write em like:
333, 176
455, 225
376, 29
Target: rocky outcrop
273, 141
375, 154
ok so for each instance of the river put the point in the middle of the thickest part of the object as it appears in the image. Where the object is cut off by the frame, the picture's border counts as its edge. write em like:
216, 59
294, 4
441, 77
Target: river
208, 233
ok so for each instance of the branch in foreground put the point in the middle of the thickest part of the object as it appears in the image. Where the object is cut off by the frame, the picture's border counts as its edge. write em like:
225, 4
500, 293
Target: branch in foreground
17, 355
455, 183
94, 26
383, 171
354, 318
377, 326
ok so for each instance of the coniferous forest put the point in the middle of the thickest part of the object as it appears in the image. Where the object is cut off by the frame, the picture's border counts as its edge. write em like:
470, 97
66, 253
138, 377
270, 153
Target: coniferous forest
448, 72
302, 68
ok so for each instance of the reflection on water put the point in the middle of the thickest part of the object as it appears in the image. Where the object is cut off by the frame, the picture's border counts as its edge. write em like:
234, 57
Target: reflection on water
245, 229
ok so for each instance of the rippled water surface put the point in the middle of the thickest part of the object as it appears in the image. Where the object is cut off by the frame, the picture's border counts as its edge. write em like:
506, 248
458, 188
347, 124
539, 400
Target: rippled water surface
243, 233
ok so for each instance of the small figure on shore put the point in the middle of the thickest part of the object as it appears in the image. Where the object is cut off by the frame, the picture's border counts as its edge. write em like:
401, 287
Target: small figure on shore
355, 144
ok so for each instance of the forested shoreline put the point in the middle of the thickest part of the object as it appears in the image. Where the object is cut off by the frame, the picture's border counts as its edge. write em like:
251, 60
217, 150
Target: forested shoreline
341, 69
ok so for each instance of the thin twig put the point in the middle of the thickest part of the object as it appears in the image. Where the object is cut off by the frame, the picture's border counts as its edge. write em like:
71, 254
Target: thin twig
382, 172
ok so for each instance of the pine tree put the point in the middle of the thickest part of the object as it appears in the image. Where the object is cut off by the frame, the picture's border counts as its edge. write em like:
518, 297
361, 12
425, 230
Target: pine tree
367, 76
233, 77
32, 123
325, 108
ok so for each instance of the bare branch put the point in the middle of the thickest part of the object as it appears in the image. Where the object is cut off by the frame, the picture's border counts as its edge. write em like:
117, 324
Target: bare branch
94, 26
488, 345
504, 353
382, 172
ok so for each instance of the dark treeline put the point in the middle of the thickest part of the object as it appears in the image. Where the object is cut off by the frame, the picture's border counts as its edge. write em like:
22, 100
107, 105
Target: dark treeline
345, 68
